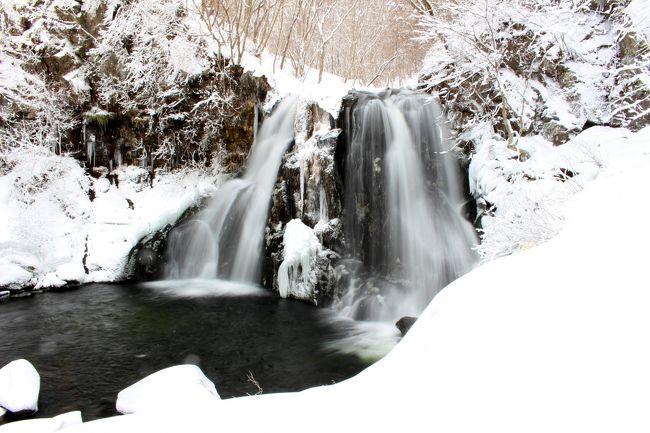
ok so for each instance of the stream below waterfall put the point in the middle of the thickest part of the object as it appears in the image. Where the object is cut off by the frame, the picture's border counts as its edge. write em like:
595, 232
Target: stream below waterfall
91, 343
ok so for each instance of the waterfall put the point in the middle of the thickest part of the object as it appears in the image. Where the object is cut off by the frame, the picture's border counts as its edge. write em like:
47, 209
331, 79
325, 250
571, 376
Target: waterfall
225, 239
402, 217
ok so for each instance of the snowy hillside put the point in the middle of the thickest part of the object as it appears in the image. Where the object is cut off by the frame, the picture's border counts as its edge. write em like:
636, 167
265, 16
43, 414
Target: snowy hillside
547, 67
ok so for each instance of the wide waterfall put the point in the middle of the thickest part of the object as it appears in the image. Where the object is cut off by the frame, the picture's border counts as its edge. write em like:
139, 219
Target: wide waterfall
403, 196
225, 240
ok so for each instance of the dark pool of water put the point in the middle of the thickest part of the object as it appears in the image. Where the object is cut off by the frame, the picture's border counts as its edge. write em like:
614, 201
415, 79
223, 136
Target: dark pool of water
90, 343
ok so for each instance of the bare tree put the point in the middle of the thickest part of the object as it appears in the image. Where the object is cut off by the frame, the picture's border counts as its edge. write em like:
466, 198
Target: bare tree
364, 40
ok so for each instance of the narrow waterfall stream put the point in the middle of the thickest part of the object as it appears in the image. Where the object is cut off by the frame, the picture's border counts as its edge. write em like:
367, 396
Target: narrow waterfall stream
225, 240
403, 202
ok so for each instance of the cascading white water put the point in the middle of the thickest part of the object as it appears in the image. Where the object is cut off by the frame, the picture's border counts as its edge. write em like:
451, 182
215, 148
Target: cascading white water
403, 207
225, 239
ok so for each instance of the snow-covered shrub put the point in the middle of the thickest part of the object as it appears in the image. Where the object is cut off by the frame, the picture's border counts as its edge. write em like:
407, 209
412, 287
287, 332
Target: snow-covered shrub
33, 110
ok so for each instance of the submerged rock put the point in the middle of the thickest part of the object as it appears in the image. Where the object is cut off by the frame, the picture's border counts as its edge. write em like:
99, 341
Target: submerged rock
177, 388
20, 385
405, 323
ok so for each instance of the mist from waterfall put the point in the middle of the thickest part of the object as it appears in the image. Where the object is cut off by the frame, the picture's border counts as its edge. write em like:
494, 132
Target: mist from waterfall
225, 239
403, 199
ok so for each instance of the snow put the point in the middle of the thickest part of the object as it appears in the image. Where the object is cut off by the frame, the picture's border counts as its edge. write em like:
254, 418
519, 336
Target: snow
177, 388
77, 81
49, 281
523, 190
50, 229
11, 273
327, 94
116, 226
296, 275
639, 13
71, 272
44, 425
20, 384
550, 339
44, 204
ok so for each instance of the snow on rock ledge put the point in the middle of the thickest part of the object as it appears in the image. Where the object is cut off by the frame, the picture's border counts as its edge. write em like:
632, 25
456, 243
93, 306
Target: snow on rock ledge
20, 385
297, 273
13, 276
178, 388
44, 425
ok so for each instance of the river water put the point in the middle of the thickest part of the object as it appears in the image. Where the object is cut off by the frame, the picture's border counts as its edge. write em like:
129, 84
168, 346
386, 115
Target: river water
90, 343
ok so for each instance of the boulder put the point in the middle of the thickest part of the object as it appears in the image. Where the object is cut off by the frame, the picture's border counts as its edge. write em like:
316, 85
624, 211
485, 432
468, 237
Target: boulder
177, 388
405, 323
20, 385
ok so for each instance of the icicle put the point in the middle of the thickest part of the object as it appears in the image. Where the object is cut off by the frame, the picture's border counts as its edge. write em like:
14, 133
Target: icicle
117, 155
303, 170
324, 211
301, 248
256, 113
90, 149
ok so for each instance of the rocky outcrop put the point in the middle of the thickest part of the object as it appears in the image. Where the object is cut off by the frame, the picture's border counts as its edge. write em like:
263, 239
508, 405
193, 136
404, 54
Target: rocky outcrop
120, 94
532, 81
308, 188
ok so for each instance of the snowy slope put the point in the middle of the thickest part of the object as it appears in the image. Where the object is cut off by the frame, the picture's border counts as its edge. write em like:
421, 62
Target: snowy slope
551, 339
50, 229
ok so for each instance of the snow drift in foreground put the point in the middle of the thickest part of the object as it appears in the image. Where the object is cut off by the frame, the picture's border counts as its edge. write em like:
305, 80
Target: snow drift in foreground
177, 388
551, 339
44, 425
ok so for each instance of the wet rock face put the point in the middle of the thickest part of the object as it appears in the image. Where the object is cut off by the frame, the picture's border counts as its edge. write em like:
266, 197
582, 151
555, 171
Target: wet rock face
632, 47
361, 160
148, 260
131, 137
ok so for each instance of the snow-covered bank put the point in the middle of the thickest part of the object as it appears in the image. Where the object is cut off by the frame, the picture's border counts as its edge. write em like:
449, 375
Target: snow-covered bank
550, 339
60, 225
